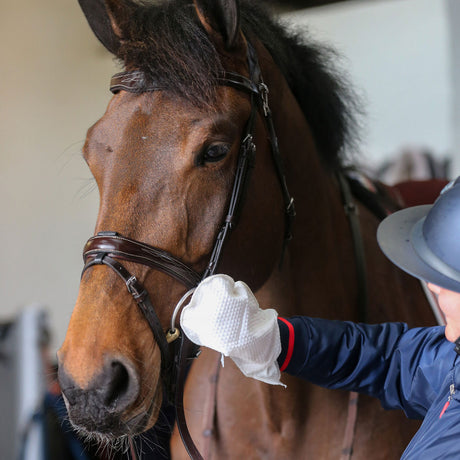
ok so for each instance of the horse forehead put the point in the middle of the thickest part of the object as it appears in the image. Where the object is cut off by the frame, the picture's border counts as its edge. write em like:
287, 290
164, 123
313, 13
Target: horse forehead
159, 133
144, 110
132, 119
162, 109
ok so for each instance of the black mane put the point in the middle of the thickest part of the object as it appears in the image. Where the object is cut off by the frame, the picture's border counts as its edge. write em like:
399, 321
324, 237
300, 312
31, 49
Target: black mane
167, 42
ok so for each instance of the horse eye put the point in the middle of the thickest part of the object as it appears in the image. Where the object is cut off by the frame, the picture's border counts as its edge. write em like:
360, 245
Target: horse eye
215, 152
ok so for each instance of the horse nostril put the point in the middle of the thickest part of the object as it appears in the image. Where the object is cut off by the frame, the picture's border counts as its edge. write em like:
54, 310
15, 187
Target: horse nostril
117, 385
120, 385
112, 390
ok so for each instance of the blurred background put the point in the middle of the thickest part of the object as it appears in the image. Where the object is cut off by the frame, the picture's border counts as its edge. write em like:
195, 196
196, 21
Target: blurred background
403, 57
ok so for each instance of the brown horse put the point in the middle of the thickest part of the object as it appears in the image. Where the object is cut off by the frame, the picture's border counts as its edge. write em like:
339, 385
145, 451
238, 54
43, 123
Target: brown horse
164, 156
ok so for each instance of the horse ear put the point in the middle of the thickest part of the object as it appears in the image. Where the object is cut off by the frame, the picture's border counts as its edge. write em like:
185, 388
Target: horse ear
221, 16
98, 19
106, 19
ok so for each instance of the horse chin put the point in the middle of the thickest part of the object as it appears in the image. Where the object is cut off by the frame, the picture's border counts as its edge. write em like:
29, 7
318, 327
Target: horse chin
114, 434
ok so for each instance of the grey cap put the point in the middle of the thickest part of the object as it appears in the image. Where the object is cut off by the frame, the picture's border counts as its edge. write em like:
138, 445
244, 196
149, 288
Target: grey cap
424, 240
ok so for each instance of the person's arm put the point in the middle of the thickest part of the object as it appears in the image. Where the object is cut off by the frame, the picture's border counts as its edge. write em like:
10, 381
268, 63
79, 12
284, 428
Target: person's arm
403, 368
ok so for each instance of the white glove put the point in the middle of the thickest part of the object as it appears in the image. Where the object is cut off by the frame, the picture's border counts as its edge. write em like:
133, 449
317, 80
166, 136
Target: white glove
225, 316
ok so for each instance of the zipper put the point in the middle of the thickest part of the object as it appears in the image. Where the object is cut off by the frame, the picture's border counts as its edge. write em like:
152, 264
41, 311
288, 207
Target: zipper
446, 405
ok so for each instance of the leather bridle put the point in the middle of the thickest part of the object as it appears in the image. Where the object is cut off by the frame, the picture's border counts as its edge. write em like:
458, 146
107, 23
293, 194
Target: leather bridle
108, 248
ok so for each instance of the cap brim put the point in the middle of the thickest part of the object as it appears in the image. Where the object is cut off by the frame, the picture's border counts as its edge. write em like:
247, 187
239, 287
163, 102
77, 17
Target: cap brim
394, 238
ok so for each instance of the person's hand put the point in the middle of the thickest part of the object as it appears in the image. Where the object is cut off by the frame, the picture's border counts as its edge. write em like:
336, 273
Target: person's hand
225, 316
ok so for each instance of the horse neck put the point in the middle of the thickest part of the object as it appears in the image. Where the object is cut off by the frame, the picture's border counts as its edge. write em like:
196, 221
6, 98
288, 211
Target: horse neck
321, 246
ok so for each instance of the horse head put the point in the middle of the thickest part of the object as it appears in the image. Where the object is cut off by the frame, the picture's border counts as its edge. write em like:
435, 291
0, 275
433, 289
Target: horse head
183, 194
164, 156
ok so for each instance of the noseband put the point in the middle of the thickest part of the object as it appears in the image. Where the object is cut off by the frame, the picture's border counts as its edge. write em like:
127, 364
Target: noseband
107, 248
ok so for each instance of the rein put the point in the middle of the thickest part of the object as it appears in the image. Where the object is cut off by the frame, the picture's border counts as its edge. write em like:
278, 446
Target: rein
107, 248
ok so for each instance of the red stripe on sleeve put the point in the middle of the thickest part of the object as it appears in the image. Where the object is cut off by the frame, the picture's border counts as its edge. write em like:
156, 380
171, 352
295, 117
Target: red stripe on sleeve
290, 349
444, 408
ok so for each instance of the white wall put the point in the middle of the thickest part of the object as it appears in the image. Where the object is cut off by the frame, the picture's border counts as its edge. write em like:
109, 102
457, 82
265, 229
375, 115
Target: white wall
453, 13
398, 57
54, 85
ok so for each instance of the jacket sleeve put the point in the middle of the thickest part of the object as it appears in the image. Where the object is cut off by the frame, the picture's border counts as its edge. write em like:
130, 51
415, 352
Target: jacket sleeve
404, 368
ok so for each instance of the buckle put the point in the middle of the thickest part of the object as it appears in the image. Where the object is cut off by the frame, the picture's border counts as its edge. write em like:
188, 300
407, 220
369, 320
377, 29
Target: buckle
290, 209
247, 144
133, 287
172, 335
107, 233
263, 91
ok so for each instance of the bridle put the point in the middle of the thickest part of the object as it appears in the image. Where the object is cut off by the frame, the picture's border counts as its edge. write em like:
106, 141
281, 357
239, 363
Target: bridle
108, 248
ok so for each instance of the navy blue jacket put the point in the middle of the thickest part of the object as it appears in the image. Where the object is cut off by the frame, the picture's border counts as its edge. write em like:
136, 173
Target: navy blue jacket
416, 370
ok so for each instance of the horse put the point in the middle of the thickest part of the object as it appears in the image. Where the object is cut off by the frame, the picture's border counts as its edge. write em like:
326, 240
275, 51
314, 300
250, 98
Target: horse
221, 122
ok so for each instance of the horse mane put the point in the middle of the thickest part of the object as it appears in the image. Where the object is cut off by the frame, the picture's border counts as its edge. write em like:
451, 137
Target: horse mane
167, 42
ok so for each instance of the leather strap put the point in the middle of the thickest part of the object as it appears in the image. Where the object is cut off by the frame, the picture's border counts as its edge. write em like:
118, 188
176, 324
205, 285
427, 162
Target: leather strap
352, 414
135, 82
351, 211
245, 164
210, 408
130, 250
132, 81
141, 297
186, 349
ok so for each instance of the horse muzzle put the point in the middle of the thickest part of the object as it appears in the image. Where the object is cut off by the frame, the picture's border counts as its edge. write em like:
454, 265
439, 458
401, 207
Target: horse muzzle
103, 404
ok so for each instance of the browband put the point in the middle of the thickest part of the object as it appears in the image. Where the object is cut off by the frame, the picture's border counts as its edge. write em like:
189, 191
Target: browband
135, 82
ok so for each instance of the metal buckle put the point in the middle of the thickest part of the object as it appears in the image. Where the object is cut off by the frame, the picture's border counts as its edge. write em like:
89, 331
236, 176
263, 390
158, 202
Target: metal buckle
290, 210
248, 146
351, 208
107, 233
131, 285
263, 90
174, 331
172, 335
